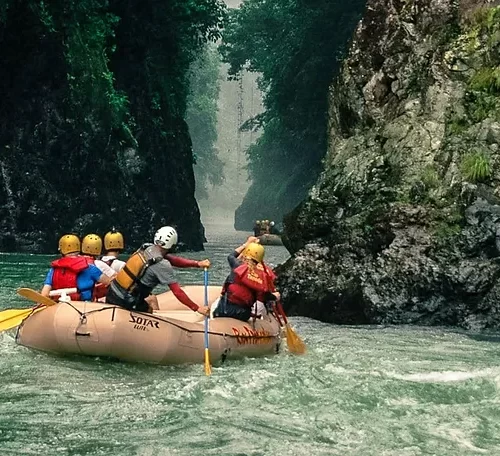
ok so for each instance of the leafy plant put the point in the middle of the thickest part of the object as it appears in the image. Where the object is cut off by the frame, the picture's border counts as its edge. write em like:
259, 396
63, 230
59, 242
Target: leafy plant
476, 167
487, 80
429, 177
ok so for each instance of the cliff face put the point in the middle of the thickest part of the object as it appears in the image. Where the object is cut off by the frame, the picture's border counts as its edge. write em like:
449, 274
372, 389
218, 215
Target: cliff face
92, 137
403, 226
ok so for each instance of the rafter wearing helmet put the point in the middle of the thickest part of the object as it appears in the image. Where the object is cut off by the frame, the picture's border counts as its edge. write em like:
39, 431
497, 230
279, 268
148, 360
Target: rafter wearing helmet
152, 265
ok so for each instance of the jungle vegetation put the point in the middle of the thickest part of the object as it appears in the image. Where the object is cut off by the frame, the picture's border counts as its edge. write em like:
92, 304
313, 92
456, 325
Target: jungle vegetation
296, 46
93, 126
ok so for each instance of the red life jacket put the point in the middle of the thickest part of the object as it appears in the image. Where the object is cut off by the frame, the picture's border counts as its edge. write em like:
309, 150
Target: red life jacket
100, 291
66, 270
247, 283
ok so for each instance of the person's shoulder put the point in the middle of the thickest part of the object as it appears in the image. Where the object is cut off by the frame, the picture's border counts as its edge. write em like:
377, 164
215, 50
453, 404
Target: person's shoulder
163, 262
93, 268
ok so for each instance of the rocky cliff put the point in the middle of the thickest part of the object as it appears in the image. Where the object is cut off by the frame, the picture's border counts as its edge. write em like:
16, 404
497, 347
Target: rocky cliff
403, 226
92, 130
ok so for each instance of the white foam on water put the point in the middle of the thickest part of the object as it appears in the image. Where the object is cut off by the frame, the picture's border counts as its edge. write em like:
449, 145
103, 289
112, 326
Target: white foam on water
458, 436
445, 376
403, 401
223, 392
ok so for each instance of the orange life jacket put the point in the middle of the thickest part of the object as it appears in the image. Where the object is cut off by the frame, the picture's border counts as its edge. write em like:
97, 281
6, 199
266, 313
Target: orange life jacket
130, 275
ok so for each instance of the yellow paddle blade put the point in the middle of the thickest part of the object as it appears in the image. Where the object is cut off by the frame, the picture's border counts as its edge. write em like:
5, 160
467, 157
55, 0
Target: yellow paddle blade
295, 343
14, 317
34, 296
208, 368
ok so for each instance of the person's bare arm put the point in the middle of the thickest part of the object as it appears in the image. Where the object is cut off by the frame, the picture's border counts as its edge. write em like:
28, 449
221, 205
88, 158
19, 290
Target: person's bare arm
105, 279
46, 290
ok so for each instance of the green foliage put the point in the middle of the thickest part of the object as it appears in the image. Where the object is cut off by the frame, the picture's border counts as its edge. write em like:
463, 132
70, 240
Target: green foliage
202, 119
484, 85
485, 19
94, 97
445, 231
486, 80
456, 125
447, 224
476, 167
291, 44
481, 105
429, 177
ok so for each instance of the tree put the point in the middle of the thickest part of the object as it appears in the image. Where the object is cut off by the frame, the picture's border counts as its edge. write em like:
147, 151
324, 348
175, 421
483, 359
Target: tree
296, 46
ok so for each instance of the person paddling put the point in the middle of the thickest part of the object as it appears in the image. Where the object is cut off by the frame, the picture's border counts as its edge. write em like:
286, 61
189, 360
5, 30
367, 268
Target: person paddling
73, 271
250, 280
149, 267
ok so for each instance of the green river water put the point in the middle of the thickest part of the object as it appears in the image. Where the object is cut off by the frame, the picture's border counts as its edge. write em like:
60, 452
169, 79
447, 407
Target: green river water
366, 390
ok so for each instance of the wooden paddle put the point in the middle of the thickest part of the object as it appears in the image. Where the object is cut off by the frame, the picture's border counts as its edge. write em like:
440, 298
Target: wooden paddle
11, 318
295, 344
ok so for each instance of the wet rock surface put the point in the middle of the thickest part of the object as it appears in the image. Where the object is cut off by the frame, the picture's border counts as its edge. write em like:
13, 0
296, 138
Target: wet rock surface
403, 225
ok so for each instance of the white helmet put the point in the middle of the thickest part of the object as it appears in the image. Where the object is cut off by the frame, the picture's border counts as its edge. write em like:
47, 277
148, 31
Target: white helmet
166, 237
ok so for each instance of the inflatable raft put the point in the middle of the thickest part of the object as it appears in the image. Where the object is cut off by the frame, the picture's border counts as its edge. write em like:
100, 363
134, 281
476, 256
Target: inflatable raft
270, 239
172, 335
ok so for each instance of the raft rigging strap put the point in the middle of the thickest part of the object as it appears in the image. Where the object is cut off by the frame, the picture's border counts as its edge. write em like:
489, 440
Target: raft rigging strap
83, 316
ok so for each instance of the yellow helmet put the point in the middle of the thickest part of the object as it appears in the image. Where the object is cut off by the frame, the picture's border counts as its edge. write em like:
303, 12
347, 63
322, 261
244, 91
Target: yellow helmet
257, 222
92, 244
254, 251
69, 243
113, 240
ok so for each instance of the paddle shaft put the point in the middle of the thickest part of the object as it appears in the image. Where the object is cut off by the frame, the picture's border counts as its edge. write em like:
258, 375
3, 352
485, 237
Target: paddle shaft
282, 312
208, 369
205, 283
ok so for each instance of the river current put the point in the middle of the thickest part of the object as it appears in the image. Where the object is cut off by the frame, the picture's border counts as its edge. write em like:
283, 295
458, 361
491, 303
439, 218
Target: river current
360, 390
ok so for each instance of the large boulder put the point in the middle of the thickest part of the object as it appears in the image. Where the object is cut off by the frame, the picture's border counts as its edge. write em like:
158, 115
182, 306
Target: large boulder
403, 225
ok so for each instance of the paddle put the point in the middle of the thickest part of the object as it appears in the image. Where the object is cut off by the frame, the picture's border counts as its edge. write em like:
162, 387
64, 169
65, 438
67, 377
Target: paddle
33, 295
295, 343
208, 368
11, 318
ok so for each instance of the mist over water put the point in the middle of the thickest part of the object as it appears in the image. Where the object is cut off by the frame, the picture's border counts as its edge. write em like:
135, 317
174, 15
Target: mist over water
238, 102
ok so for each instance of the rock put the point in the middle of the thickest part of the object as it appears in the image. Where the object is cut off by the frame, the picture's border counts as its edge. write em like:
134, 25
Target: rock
417, 240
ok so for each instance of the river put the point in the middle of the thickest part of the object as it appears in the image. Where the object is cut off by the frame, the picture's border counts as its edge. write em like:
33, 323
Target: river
360, 390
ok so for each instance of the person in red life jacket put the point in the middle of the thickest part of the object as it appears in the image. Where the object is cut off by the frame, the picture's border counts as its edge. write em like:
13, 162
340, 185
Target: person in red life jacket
73, 271
148, 267
250, 280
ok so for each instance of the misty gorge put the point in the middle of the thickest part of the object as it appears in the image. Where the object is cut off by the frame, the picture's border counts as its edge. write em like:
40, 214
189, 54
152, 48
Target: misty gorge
369, 130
